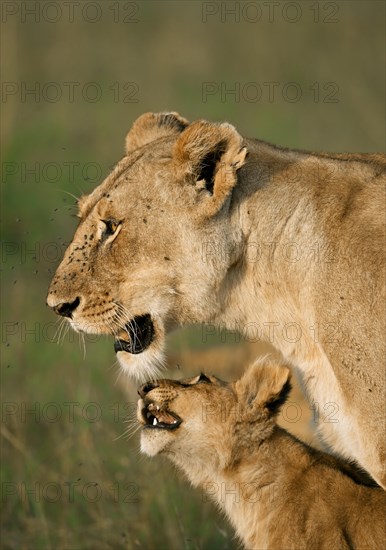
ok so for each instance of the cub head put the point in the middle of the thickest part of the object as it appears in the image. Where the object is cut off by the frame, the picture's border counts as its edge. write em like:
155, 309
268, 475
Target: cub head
203, 420
138, 263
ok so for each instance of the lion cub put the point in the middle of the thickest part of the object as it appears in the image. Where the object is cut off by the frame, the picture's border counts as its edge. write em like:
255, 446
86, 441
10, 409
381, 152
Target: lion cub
277, 492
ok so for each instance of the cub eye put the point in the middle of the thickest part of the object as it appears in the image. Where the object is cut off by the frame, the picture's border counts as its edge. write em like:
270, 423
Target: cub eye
111, 228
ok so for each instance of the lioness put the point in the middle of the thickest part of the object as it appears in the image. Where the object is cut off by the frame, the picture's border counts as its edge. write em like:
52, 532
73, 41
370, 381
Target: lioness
199, 225
276, 491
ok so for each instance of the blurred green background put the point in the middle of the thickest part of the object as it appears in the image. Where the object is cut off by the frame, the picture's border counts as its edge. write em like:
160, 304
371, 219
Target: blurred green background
74, 77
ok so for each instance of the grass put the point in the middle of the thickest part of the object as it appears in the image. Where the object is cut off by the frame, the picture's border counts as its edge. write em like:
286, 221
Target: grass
64, 431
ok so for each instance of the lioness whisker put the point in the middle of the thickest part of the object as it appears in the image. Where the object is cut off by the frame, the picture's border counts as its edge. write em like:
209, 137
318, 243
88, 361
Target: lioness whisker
82, 344
66, 330
111, 327
59, 330
63, 332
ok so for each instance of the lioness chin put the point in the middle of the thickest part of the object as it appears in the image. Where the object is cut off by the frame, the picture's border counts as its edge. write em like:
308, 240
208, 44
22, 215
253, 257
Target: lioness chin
197, 224
276, 491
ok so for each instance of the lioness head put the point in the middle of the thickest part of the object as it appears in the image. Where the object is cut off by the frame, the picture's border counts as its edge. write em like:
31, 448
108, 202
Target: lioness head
206, 419
137, 264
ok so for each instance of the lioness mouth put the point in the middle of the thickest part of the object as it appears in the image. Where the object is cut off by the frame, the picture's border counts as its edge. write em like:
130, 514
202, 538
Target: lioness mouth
154, 417
141, 333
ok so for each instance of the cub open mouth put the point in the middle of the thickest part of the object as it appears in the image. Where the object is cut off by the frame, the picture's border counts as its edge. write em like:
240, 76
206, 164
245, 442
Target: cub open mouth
154, 416
141, 332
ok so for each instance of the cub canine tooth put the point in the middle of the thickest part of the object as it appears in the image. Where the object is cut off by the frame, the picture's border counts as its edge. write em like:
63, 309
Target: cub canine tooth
155, 422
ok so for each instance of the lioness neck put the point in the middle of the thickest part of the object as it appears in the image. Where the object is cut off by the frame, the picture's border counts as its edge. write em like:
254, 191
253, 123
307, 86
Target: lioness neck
279, 250
287, 210
307, 232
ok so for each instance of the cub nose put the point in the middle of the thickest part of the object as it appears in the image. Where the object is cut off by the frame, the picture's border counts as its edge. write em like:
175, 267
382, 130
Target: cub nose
143, 390
66, 309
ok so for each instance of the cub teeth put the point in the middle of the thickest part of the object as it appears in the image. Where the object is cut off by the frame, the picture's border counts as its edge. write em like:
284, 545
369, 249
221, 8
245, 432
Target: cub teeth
154, 422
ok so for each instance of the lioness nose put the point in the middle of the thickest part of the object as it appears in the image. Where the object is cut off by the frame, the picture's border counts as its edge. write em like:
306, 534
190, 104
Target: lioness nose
143, 390
66, 309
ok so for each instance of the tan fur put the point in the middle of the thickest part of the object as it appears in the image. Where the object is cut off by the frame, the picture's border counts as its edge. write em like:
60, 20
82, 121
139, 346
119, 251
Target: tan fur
277, 492
286, 245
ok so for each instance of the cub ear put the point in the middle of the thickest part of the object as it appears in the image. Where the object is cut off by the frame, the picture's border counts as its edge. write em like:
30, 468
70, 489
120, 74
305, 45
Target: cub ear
212, 154
151, 126
264, 386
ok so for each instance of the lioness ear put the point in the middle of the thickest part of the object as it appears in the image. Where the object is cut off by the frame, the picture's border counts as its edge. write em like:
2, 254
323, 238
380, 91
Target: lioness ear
152, 126
212, 154
264, 386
